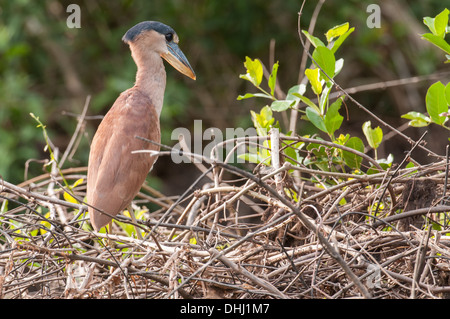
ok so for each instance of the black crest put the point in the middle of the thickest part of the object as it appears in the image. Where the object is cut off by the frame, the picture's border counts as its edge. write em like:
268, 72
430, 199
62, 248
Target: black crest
159, 27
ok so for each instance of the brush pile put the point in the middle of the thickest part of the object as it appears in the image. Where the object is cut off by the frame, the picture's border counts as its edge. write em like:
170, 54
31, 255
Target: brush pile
242, 235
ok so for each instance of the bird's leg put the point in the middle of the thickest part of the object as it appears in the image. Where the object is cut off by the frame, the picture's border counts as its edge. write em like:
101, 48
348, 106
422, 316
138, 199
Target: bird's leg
133, 218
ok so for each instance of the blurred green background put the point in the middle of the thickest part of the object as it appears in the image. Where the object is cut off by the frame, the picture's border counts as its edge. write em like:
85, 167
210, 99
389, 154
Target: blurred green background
48, 69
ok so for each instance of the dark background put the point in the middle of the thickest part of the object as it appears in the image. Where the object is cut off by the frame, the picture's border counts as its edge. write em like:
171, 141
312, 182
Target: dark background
48, 69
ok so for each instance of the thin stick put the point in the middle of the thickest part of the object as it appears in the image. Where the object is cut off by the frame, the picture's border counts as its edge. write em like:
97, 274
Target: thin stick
81, 120
275, 156
308, 224
241, 270
306, 46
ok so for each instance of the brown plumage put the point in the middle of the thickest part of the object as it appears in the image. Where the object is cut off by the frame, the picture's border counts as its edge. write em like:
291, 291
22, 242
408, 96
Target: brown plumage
115, 174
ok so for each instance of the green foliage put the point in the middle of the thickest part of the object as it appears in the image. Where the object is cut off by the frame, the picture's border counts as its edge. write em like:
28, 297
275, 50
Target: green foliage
129, 229
255, 75
436, 103
67, 196
351, 159
417, 119
439, 28
324, 58
374, 136
313, 76
33, 79
332, 118
263, 122
341, 152
48, 147
437, 99
323, 114
254, 72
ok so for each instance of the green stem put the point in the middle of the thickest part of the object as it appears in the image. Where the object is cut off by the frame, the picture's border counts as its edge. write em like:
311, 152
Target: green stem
52, 156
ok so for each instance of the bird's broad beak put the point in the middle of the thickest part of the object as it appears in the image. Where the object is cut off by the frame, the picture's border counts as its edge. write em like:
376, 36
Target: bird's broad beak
177, 59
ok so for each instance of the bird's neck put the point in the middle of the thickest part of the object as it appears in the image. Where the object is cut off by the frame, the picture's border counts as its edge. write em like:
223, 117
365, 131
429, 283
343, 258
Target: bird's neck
151, 77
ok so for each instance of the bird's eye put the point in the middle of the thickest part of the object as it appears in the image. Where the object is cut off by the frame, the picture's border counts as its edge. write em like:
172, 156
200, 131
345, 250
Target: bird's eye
169, 37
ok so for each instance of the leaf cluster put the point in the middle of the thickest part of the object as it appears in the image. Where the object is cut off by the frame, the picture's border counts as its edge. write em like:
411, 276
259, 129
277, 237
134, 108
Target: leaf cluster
437, 99
312, 101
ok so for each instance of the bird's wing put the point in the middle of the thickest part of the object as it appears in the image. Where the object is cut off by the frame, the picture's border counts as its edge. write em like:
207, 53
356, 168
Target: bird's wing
115, 175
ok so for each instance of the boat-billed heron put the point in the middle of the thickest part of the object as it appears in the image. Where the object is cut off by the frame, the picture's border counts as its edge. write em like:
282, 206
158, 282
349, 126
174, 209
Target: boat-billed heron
115, 173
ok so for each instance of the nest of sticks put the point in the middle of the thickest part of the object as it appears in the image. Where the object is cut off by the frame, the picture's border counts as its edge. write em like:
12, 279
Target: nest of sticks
240, 236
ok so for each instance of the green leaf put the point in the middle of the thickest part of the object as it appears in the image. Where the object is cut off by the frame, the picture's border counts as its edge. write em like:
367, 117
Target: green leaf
263, 121
298, 90
385, 164
340, 40
316, 119
438, 24
316, 42
336, 31
290, 149
417, 119
264, 153
436, 103
321, 156
314, 79
78, 182
441, 23
273, 78
323, 101
280, 106
333, 120
373, 136
246, 96
324, 57
45, 224
4, 207
339, 66
447, 93
69, 198
437, 41
342, 139
129, 229
267, 115
352, 160
429, 22
254, 71
250, 95
307, 101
